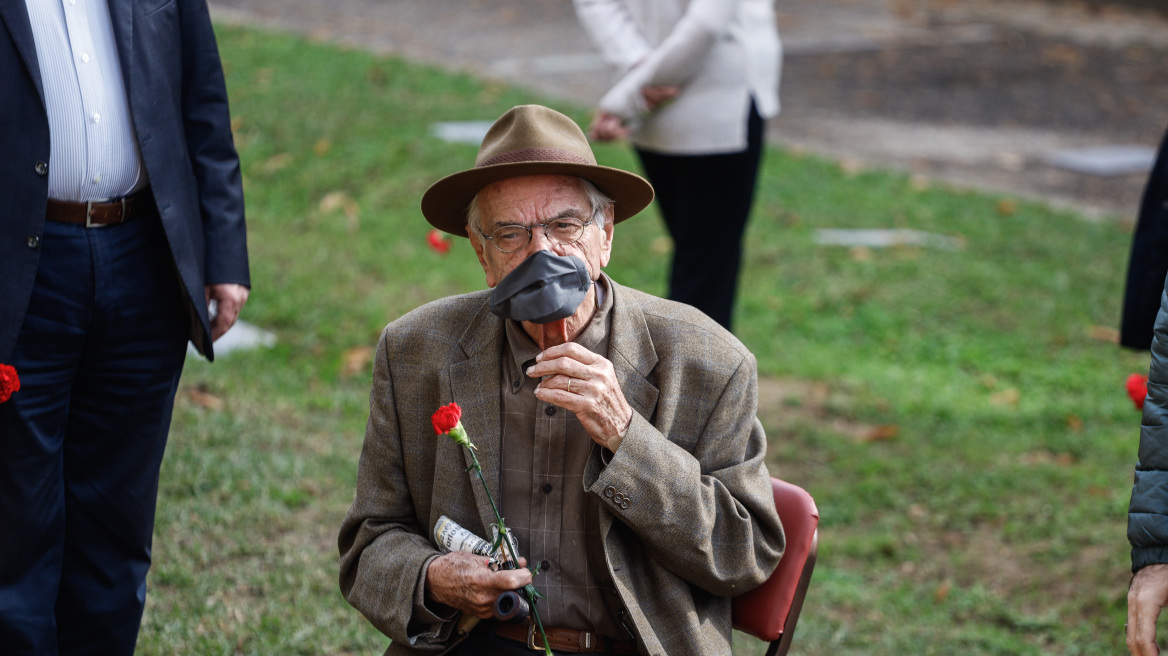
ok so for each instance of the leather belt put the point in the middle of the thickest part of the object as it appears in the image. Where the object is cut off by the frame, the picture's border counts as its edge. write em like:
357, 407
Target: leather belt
97, 214
566, 640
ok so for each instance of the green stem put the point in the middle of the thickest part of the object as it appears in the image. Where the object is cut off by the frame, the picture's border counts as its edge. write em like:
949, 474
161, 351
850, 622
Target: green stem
504, 536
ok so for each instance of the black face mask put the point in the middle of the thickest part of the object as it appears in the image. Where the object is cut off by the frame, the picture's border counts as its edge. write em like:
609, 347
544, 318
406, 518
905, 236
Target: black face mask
545, 287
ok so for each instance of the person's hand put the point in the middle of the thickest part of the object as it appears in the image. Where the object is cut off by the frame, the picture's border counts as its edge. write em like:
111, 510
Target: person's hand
607, 126
229, 299
464, 581
1146, 596
657, 94
579, 380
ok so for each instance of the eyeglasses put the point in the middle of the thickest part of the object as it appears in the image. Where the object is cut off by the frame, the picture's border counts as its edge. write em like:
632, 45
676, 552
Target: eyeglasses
563, 231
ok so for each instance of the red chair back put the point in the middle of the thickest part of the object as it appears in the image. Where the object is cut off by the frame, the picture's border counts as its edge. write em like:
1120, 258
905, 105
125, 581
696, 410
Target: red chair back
770, 611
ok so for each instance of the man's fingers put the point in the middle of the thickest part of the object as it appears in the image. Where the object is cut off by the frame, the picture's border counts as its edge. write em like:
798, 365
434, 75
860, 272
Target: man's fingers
466, 582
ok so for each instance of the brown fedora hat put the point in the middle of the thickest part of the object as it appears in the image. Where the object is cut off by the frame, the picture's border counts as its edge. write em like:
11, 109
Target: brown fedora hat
531, 140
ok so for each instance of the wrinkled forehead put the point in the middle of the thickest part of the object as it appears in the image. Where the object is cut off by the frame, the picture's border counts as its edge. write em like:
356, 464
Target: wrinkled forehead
533, 199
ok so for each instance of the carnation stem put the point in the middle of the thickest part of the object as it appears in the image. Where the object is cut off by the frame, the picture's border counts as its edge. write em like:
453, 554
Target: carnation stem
505, 538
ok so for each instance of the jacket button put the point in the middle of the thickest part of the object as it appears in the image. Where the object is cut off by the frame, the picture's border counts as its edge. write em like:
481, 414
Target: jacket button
610, 491
34, 242
42, 168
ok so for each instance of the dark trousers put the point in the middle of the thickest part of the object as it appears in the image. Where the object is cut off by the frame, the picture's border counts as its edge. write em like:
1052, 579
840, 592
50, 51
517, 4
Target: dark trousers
706, 200
99, 357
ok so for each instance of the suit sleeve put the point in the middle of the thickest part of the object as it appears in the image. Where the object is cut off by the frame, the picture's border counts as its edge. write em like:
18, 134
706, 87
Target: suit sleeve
707, 515
207, 129
383, 551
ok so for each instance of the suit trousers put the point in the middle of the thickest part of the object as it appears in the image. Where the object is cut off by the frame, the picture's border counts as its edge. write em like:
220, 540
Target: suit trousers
99, 356
705, 201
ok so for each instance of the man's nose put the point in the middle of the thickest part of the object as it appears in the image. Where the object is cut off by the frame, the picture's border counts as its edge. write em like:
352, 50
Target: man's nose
541, 242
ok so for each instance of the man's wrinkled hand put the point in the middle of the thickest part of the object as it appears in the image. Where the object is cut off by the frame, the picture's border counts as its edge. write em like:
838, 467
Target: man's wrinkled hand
229, 300
465, 581
1146, 596
579, 380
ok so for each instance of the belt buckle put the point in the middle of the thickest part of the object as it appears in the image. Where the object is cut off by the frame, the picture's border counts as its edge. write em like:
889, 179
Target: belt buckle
531, 637
89, 215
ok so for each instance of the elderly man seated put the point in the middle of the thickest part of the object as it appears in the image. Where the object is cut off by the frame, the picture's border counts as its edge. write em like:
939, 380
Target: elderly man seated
616, 429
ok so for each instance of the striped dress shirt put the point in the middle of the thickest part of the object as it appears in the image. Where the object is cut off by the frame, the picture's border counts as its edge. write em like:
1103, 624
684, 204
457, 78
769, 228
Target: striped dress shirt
94, 149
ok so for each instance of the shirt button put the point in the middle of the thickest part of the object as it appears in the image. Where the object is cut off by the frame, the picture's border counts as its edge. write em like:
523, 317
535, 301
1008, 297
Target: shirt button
97, 117
34, 242
42, 168
85, 58
547, 488
550, 410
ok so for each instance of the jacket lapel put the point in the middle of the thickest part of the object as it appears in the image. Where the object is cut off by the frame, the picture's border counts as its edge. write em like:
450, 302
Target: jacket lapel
14, 14
632, 354
474, 385
122, 18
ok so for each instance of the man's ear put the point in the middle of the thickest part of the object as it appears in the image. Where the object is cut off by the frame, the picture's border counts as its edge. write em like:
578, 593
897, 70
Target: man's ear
606, 246
478, 248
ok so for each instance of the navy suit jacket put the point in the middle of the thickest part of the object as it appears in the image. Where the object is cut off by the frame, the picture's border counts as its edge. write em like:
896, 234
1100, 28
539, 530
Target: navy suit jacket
178, 103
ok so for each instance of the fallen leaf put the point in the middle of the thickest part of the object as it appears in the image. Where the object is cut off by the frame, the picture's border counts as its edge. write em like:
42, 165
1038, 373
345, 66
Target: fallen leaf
335, 200
1007, 207
882, 433
355, 360
206, 400
1103, 334
851, 167
277, 162
1075, 423
942, 591
322, 147
661, 245
1008, 396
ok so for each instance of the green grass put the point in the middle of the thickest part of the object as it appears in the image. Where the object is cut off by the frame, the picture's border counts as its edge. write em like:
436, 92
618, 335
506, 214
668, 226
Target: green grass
989, 519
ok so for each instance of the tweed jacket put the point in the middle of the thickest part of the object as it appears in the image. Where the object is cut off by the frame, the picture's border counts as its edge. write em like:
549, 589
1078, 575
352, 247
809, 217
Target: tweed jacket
699, 524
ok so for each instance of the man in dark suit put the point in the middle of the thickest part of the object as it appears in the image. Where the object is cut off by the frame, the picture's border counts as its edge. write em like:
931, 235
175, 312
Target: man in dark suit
121, 224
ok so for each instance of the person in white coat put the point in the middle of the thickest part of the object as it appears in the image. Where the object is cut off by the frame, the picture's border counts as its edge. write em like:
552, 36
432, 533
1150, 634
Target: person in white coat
698, 79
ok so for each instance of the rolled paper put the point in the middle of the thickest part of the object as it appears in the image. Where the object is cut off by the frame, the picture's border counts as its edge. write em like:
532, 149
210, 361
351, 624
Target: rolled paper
452, 537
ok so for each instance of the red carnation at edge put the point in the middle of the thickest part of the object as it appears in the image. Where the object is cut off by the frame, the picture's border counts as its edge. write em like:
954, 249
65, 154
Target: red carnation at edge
439, 244
1137, 389
446, 418
9, 382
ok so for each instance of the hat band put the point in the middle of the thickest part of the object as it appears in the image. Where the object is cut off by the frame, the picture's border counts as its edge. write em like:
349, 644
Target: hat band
535, 155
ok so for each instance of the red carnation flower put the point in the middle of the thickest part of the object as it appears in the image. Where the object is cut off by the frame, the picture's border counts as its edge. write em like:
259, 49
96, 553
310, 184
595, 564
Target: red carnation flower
446, 418
438, 243
9, 382
1137, 389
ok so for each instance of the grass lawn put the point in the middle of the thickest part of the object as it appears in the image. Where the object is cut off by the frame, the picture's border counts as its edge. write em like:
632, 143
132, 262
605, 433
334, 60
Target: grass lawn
959, 415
